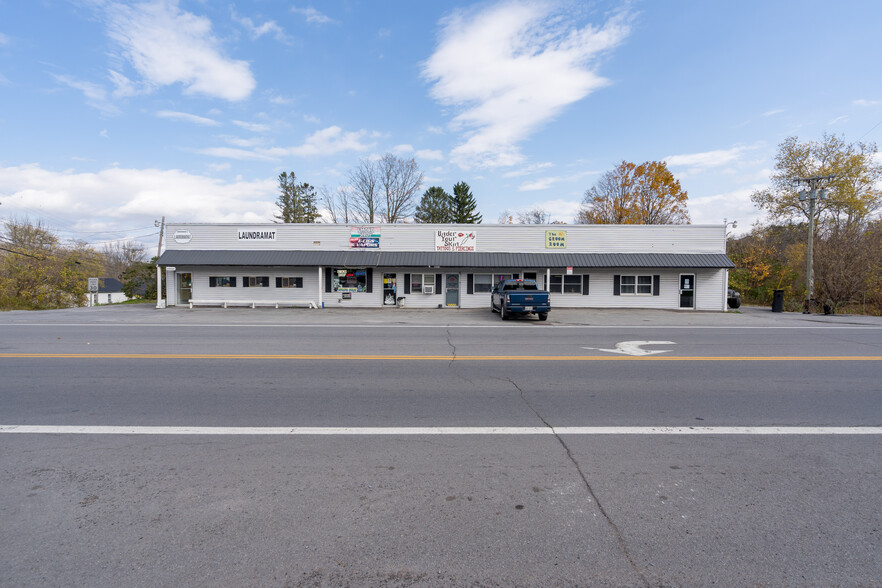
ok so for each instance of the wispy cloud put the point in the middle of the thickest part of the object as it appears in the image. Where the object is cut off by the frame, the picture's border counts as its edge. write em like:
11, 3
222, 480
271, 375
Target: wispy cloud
773, 112
324, 142
547, 182
312, 15
4, 39
270, 27
166, 46
526, 170
430, 154
510, 68
864, 102
838, 119
707, 159
187, 117
314, 120
252, 127
403, 149
95, 94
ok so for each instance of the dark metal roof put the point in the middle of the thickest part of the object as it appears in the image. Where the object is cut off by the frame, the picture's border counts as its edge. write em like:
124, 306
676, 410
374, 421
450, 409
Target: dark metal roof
443, 259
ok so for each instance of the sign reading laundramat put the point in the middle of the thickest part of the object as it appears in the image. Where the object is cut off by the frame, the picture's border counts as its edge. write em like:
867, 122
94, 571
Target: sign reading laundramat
246, 235
456, 240
555, 239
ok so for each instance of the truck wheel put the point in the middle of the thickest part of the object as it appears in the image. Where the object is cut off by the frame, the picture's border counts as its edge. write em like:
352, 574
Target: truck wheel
543, 316
502, 313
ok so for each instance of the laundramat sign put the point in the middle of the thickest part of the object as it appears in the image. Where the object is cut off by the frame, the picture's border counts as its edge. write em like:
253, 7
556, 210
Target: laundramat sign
456, 241
249, 235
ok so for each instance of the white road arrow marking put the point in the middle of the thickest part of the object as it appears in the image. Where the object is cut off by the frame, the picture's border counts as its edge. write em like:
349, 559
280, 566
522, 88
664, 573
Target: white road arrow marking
633, 347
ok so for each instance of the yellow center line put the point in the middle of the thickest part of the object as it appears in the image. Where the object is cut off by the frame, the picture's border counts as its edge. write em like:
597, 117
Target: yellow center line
442, 357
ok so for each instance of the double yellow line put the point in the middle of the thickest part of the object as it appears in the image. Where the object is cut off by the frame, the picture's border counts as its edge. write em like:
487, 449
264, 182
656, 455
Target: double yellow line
437, 357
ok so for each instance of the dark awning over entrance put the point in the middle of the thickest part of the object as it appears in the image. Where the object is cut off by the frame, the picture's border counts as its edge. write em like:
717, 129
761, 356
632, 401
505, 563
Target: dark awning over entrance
437, 259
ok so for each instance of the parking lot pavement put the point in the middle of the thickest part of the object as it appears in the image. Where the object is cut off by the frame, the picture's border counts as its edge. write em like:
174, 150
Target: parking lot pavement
746, 316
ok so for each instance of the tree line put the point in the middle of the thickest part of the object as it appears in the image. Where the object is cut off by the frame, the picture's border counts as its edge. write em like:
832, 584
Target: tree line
847, 250
40, 271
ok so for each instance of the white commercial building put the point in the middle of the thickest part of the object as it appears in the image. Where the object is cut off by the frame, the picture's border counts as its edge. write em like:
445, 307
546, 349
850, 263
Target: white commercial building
445, 266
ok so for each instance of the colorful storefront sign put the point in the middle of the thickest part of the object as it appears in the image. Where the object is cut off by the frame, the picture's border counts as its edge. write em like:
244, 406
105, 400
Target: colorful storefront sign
364, 237
456, 240
555, 239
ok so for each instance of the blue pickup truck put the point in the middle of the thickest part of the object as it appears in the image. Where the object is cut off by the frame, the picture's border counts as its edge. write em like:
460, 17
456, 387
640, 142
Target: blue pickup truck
519, 297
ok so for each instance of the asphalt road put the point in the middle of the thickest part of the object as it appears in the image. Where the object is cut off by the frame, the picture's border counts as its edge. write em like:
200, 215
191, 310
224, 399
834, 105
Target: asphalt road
360, 481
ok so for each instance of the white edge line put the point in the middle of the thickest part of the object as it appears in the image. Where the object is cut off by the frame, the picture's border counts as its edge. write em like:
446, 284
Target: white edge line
514, 326
389, 431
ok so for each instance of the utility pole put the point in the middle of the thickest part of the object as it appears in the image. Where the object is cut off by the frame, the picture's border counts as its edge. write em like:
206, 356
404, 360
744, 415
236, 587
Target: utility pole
158, 270
814, 192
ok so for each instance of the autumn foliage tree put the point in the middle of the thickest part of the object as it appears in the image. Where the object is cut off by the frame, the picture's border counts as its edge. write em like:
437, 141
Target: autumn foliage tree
632, 194
38, 271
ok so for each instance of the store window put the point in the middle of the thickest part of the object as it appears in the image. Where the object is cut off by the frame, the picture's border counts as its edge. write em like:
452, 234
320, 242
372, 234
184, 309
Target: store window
349, 280
289, 282
483, 283
636, 285
221, 282
565, 284
255, 282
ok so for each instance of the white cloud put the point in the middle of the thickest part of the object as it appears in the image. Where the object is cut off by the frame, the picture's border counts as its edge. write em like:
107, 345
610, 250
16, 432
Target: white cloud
124, 86
864, 102
252, 127
314, 120
706, 159
167, 46
218, 167
186, 117
509, 69
270, 27
312, 15
331, 140
527, 169
734, 205
430, 154
402, 149
324, 142
280, 100
95, 94
838, 119
118, 195
239, 154
773, 112
545, 183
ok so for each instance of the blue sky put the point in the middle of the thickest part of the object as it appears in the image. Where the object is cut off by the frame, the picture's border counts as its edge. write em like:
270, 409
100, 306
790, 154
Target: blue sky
113, 114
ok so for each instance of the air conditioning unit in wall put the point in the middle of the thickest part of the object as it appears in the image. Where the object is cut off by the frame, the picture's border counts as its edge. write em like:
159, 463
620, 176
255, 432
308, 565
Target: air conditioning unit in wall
427, 289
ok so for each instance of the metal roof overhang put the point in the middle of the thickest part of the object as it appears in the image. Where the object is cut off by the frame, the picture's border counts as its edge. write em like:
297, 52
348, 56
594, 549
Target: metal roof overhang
430, 259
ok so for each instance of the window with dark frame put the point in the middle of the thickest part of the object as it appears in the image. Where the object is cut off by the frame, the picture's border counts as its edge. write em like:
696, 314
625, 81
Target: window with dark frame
565, 284
221, 282
349, 280
636, 286
255, 282
483, 283
289, 282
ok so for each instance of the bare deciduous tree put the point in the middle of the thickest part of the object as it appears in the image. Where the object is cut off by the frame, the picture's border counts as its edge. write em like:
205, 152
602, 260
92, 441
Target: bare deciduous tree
384, 189
119, 255
338, 204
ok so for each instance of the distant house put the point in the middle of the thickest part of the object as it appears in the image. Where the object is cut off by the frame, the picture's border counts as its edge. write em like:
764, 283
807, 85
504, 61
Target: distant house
110, 291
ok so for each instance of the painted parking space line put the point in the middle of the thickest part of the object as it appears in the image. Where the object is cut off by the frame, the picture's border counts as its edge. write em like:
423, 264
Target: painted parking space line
458, 358
406, 431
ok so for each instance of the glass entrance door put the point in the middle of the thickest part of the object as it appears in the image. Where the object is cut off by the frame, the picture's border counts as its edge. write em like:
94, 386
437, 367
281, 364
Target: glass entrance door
452, 293
389, 290
185, 288
687, 291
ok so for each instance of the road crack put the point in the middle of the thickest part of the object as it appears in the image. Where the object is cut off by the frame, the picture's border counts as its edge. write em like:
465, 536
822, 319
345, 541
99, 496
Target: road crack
621, 540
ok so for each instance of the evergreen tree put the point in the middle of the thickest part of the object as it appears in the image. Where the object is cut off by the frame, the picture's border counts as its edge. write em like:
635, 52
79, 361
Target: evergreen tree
297, 202
464, 205
434, 207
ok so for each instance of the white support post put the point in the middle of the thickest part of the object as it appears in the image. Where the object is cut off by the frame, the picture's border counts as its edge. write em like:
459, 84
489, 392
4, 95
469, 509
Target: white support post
321, 287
